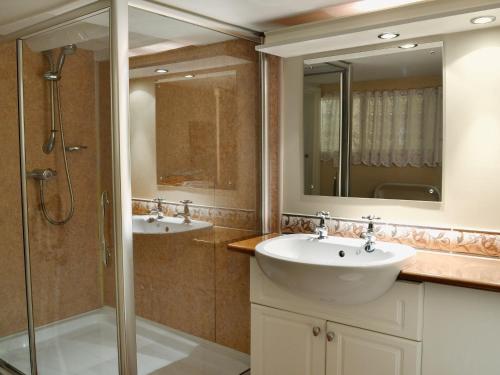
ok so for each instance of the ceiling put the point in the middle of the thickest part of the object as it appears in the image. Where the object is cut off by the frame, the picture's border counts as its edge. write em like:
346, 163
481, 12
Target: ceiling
148, 33
261, 15
18, 14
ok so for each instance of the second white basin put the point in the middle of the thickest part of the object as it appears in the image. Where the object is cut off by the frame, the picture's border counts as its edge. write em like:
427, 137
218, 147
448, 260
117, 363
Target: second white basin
335, 269
166, 225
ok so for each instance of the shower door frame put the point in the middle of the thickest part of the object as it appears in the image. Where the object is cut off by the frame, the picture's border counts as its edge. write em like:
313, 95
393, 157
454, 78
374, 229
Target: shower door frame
125, 314
121, 173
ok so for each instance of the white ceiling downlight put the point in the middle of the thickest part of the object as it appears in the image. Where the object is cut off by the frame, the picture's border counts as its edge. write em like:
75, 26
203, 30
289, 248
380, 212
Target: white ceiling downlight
482, 20
408, 45
388, 35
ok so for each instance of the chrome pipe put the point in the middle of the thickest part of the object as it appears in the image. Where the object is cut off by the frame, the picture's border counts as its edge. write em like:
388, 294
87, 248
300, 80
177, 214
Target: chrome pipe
24, 209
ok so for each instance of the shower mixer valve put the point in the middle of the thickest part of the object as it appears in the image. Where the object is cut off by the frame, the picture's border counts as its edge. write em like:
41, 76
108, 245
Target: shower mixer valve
42, 174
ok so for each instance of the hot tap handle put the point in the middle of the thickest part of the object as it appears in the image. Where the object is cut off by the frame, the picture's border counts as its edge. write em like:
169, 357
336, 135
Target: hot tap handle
371, 217
323, 214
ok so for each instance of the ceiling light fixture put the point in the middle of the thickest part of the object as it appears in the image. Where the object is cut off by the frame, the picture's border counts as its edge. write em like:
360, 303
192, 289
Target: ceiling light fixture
161, 70
483, 20
387, 36
408, 45
189, 76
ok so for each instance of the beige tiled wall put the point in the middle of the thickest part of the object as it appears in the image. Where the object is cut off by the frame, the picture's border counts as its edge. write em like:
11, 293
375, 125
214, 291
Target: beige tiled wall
64, 259
430, 238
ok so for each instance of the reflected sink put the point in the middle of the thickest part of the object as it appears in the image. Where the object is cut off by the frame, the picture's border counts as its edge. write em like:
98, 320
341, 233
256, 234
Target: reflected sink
166, 225
335, 269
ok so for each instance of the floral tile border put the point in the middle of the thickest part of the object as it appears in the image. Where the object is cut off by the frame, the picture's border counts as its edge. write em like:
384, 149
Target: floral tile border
442, 239
223, 217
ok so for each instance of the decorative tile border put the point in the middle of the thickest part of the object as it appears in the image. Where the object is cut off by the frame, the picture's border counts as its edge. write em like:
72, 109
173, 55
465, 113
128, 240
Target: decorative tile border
223, 217
442, 239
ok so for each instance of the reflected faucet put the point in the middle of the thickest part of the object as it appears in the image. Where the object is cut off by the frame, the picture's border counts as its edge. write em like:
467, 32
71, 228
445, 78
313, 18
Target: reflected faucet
157, 212
186, 214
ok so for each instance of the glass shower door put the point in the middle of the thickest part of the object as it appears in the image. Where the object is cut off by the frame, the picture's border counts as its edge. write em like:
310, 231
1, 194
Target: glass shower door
14, 351
67, 136
195, 127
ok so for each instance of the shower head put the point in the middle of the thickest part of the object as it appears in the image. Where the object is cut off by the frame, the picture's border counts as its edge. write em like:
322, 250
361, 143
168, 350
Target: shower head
66, 50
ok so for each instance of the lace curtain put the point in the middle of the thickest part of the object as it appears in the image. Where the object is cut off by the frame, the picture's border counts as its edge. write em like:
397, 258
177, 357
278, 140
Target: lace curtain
396, 127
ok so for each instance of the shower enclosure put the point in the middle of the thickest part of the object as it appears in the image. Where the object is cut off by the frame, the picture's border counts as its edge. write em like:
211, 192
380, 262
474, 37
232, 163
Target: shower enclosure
72, 255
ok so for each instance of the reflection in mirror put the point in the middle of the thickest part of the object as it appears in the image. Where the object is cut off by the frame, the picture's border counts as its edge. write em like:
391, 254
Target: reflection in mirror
194, 74
373, 125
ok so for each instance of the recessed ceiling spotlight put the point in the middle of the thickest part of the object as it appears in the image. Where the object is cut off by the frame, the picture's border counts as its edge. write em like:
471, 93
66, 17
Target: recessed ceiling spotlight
408, 45
189, 76
483, 19
388, 36
161, 70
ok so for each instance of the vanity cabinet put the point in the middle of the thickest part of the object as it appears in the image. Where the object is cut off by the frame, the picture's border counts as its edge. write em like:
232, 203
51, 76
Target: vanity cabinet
296, 335
294, 344
286, 343
354, 351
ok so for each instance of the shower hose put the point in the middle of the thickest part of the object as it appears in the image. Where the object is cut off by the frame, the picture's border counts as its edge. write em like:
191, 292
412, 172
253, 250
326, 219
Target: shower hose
71, 211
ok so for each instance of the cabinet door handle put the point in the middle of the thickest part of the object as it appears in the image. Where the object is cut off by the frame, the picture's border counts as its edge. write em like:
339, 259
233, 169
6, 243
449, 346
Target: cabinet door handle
316, 331
330, 336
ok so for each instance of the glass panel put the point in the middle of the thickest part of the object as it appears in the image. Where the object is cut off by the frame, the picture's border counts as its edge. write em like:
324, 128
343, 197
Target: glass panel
194, 115
14, 350
322, 129
68, 160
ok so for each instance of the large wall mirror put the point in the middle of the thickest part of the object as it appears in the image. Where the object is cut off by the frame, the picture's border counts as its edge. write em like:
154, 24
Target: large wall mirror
373, 124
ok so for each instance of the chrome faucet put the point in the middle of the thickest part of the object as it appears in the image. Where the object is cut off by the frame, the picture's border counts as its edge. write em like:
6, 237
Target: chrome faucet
186, 214
369, 235
157, 212
322, 230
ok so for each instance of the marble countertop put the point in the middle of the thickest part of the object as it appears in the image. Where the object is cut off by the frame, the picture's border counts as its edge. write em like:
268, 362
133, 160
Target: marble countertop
431, 266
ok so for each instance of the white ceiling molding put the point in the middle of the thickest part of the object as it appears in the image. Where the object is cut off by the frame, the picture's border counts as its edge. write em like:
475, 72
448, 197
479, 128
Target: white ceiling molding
411, 22
38, 15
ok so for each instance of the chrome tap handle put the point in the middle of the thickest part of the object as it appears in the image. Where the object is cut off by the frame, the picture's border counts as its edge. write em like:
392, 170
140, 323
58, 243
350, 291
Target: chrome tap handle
323, 214
369, 235
159, 207
187, 213
371, 217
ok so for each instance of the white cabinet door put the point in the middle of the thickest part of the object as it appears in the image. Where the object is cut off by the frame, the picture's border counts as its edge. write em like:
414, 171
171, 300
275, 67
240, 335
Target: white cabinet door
354, 351
283, 343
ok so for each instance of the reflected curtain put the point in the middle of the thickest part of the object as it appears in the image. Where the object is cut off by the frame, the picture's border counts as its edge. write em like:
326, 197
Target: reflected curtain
397, 127
330, 128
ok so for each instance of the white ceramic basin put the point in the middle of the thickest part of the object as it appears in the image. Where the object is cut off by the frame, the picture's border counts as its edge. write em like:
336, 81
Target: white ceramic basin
166, 225
335, 269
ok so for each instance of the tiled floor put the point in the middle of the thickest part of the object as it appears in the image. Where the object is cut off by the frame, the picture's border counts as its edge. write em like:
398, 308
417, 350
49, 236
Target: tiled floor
86, 345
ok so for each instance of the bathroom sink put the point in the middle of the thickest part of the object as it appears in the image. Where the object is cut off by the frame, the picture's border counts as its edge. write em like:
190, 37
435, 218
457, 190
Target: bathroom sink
334, 269
166, 225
